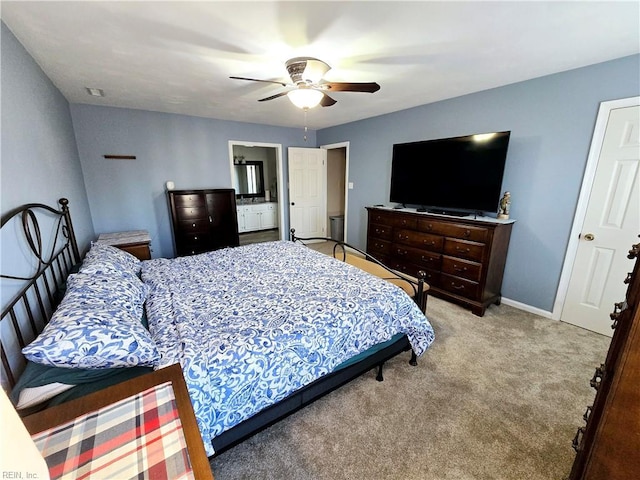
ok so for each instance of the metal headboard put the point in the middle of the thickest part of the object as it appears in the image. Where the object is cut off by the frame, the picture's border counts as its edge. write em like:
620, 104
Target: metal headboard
31, 307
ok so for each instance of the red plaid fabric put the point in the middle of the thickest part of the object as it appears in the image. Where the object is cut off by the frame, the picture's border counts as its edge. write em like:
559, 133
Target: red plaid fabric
139, 437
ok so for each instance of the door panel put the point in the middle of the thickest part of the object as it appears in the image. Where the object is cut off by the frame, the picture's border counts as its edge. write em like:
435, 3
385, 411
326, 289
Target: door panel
611, 225
307, 187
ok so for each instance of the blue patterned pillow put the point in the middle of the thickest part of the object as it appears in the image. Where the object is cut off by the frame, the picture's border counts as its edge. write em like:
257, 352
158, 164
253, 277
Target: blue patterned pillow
123, 290
84, 336
107, 259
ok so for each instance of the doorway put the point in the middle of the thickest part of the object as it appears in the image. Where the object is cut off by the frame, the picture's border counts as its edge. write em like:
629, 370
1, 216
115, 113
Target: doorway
256, 175
606, 223
337, 189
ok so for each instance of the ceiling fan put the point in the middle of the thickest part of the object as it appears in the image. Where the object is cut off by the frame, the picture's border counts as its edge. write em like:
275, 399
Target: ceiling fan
309, 89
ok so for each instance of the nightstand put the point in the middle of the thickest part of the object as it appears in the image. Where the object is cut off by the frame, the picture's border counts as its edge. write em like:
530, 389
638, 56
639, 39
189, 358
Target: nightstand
136, 242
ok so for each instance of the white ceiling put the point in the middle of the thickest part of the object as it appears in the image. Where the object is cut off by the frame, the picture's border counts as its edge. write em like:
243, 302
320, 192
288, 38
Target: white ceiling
178, 56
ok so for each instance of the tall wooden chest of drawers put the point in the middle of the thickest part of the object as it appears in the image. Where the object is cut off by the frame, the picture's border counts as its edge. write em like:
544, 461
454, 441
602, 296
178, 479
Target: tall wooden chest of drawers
203, 220
608, 447
463, 259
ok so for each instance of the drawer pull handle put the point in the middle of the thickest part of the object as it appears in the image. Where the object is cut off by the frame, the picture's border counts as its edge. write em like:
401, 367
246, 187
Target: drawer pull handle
429, 226
210, 219
195, 238
587, 414
467, 233
615, 315
457, 287
597, 377
459, 269
465, 250
193, 225
577, 440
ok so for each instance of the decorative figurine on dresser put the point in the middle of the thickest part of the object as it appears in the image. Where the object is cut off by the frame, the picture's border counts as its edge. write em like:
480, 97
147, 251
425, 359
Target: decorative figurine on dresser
203, 220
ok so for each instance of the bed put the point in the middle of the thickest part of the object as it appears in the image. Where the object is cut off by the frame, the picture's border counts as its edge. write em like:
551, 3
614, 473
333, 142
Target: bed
259, 331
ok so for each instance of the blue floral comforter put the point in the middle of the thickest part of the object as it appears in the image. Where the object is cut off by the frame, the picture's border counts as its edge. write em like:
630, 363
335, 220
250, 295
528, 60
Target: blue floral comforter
252, 324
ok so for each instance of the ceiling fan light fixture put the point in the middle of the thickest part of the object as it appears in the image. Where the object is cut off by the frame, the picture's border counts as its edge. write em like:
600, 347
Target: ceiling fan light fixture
305, 97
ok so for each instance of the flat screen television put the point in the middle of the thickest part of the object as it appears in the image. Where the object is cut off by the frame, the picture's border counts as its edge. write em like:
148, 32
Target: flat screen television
450, 175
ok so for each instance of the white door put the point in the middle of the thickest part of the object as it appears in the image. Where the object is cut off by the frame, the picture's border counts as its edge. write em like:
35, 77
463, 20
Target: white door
307, 191
611, 225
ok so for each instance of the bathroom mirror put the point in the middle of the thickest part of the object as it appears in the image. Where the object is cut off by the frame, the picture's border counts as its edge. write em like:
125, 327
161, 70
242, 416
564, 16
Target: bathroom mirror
248, 178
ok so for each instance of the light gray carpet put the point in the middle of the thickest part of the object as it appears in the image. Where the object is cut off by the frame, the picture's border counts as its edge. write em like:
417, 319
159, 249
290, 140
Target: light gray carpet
497, 397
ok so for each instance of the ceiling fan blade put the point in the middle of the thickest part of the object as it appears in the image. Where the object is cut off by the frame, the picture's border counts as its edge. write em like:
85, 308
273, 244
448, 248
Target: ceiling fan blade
281, 94
327, 101
258, 80
368, 87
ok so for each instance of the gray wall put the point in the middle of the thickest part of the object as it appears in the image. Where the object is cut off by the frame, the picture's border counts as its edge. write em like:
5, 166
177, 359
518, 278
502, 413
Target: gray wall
39, 157
551, 121
192, 152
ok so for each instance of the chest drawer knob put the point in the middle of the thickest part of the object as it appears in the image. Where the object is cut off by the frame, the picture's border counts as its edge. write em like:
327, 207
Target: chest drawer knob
193, 225
195, 238
597, 377
210, 219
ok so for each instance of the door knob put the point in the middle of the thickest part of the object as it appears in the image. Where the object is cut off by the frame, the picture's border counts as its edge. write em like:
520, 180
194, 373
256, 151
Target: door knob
589, 237
293, 203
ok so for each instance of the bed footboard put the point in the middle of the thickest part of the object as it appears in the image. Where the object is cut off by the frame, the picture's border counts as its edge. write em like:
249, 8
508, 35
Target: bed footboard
417, 288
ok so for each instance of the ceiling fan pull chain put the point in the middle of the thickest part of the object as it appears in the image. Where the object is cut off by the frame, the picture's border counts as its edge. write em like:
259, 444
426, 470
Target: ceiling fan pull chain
306, 109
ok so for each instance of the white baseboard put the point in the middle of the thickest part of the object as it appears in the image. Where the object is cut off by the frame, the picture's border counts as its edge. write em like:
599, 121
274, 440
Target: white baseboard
528, 308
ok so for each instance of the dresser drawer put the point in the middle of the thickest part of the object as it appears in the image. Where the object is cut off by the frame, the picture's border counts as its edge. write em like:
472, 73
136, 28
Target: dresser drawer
416, 256
189, 200
461, 268
380, 231
419, 240
464, 249
381, 218
459, 286
376, 246
191, 213
465, 232
432, 277
200, 225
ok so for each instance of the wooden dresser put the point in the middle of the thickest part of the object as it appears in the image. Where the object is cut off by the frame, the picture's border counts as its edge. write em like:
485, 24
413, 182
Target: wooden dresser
463, 258
608, 447
203, 220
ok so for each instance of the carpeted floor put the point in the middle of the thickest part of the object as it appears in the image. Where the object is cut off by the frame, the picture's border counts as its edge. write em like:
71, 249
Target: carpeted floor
497, 397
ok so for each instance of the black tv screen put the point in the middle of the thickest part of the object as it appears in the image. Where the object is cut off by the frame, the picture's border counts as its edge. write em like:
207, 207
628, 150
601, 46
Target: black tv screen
449, 174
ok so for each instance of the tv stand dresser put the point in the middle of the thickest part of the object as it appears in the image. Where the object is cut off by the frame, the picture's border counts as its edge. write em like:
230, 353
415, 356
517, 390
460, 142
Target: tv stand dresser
463, 258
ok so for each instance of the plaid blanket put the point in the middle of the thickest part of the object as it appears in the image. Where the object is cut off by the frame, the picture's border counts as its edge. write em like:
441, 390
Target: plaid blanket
139, 437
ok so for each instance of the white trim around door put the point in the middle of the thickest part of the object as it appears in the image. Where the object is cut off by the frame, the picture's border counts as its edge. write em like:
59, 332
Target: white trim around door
344, 145
284, 235
583, 199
